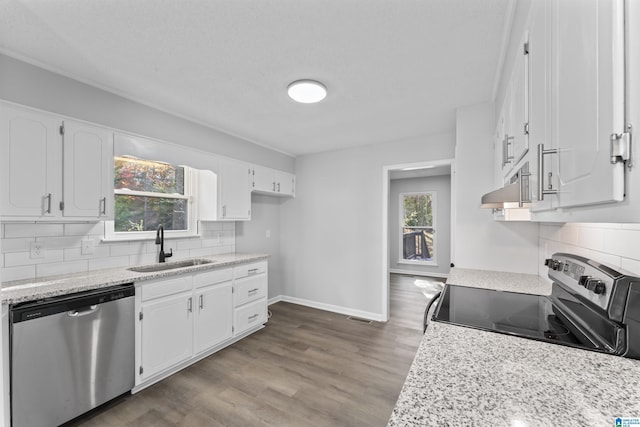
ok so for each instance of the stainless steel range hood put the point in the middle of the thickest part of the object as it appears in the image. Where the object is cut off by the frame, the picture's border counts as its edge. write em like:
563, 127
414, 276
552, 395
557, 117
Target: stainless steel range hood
507, 197
514, 195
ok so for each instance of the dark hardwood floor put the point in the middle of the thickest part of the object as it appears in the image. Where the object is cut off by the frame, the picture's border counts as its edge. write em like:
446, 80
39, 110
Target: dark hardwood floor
307, 367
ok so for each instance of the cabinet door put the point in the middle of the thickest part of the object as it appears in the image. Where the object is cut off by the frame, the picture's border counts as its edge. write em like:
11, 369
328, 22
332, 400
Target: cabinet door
214, 318
88, 171
539, 104
234, 190
263, 180
587, 99
518, 111
507, 137
285, 183
167, 333
31, 163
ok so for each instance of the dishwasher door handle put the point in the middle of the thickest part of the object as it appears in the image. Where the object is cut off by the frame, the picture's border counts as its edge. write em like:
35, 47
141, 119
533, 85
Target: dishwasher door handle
76, 313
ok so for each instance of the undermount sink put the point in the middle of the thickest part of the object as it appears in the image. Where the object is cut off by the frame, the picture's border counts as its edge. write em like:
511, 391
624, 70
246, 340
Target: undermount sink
169, 265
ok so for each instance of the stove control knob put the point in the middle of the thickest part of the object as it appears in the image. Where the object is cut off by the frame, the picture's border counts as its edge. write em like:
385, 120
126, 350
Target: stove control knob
547, 262
596, 286
582, 281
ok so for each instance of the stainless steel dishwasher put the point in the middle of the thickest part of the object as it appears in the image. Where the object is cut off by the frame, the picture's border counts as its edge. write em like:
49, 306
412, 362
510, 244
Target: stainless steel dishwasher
70, 354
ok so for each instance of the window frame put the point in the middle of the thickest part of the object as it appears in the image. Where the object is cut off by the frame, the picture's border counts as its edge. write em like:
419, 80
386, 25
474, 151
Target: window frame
190, 176
401, 260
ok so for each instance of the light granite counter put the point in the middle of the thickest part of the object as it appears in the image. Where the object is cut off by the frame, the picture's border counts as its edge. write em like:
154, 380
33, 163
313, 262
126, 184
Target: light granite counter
28, 290
468, 377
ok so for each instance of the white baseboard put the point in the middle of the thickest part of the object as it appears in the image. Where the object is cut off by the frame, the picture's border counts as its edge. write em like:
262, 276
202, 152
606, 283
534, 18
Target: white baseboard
328, 307
418, 273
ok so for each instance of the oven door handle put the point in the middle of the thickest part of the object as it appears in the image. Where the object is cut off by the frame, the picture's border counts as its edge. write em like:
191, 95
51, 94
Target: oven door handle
426, 311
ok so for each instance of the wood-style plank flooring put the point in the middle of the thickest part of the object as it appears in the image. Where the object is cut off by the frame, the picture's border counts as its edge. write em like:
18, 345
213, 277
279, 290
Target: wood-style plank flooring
307, 367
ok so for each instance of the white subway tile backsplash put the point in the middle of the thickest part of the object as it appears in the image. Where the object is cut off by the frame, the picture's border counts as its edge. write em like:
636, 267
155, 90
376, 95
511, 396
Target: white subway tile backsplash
14, 259
16, 245
88, 229
73, 254
13, 230
18, 273
623, 243
63, 253
62, 268
188, 244
631, 265
109, 262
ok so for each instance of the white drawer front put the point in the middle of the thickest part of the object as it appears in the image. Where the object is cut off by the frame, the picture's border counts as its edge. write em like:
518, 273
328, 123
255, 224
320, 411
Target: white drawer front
161, 288
249, 289
249, 316
250, 269
212, 277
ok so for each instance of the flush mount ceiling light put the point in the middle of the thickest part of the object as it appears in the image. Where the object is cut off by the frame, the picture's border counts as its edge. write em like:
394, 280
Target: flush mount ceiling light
307, 91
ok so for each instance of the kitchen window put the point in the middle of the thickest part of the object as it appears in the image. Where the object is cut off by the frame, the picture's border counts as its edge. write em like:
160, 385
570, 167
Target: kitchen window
417, 224
148, 194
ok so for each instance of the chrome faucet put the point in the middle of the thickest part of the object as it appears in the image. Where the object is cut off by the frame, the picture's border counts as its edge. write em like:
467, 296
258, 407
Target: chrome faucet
160, 241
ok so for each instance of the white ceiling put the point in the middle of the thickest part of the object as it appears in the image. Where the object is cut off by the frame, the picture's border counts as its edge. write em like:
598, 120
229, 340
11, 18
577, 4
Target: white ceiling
394, 69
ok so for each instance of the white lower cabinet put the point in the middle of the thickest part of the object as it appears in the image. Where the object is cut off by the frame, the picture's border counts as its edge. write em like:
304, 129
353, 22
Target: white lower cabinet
167, 337
187, 317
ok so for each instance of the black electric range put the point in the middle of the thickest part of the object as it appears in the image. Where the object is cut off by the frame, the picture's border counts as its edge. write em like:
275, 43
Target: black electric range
591, 307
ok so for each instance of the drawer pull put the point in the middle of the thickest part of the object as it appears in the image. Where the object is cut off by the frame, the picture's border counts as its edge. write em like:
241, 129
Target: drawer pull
252, 318
252, 271
253, 291
201, 301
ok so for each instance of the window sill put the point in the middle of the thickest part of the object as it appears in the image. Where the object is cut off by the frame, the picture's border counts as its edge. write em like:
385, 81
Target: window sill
147, 238
423, 263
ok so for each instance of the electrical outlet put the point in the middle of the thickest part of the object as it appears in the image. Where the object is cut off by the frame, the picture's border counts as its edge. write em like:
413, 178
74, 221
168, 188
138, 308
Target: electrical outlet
37, 250
87, 246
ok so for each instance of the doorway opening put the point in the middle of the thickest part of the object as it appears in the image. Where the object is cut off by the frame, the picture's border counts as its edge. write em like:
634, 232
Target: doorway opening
417, 229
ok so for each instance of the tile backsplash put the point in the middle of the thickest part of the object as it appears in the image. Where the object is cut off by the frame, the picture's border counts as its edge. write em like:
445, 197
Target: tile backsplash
62, 248
617, 245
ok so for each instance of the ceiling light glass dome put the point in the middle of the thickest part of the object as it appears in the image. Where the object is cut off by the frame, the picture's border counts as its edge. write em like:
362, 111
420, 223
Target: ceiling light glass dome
307, 91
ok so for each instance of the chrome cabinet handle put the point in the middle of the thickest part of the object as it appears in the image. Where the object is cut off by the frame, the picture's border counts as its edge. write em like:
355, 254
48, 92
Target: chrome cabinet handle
224, 211
48, 204
252, 318
541, 153
274, 186
521, 199
103, 206
506, 158
278, 187
201, 301
252, 271
252, 292
190, 305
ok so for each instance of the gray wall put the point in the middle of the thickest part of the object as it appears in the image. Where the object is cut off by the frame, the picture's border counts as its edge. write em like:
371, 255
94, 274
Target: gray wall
29, 85
441, 185
332, 232
251, 236
479, 241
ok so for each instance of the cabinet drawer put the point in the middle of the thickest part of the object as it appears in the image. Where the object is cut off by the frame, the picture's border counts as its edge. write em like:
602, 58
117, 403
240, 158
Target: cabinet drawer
212, 277
166, 287
250, 269
249, 316
249, 289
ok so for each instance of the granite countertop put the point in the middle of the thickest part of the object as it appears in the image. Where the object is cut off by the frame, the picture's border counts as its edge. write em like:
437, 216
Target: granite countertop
462, 376
28, 290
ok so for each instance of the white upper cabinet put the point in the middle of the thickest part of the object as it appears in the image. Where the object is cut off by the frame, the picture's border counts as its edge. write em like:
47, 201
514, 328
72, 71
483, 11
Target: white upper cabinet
518, 105
587, 99
31, 163
88, 171
234, 190
50, 174
272, 182
539, 95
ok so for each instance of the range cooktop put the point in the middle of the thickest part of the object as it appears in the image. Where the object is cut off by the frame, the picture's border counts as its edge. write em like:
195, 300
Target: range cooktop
591, 306
523, 315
